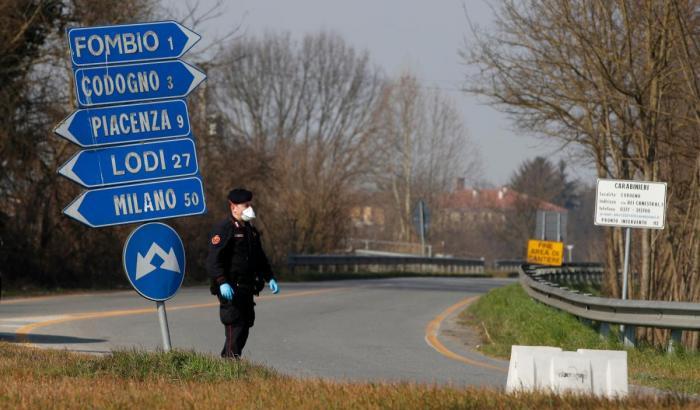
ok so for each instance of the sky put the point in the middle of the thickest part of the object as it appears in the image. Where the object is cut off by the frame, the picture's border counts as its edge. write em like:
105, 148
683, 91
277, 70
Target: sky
417, 35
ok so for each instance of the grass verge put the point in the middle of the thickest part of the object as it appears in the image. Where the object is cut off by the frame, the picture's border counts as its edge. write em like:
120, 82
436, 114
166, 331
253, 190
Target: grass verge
32, 378
507, 316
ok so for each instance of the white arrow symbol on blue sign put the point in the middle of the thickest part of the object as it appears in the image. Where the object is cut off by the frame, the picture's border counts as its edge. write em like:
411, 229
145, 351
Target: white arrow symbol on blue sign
152, 239
144, 265
135, 82
129, 42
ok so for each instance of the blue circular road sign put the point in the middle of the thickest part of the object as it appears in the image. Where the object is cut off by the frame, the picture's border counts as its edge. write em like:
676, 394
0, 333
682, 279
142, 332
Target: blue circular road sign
154, 261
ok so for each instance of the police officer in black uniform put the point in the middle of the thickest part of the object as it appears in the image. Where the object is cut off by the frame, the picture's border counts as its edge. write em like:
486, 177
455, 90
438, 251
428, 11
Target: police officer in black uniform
238, 269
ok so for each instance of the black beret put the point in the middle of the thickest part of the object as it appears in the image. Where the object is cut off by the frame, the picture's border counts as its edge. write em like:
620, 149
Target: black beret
240, 195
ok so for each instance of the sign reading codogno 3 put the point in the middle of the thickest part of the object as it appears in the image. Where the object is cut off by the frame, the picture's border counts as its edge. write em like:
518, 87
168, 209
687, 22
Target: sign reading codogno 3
632, 204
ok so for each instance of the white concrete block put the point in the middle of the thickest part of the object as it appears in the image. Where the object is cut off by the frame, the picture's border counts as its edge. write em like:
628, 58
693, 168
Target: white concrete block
597, 372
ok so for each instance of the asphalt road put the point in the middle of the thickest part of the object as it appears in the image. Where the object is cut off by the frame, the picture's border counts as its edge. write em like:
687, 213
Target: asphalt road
399, 329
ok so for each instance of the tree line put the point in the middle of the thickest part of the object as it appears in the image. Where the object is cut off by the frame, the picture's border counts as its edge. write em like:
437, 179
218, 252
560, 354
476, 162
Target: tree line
616, 81
311, 125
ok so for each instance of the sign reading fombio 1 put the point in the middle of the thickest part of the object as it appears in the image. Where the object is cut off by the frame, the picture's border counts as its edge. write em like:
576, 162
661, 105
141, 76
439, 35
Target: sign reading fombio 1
129, 42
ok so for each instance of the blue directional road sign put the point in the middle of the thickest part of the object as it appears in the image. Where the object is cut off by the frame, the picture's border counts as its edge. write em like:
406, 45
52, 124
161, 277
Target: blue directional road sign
132, 163
126, 123
139, 202
135, 82
421, 207
129, 42
154, 261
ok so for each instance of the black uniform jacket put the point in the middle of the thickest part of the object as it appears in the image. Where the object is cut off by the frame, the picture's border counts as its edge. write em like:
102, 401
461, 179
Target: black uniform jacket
236, 256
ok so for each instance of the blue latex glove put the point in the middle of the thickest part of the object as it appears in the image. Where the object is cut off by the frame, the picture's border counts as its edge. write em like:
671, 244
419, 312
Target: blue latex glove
274, 287
226, 291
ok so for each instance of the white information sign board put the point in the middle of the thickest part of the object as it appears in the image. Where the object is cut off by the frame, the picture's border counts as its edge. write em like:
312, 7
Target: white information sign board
631, 204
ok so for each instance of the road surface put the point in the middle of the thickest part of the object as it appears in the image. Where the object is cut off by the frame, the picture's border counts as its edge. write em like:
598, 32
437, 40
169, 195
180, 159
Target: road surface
399, 329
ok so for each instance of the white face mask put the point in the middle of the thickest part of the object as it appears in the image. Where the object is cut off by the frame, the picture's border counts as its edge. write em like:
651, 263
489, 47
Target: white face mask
248, 214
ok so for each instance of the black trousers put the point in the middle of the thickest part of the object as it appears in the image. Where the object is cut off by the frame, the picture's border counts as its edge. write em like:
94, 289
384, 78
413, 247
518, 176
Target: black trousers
236, 336
237, 316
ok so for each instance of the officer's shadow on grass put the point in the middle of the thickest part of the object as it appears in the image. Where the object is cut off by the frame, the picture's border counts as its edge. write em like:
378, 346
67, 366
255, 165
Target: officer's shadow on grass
47, 339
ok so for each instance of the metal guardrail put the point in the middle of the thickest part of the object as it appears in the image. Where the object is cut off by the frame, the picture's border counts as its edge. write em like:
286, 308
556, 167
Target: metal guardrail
579, 273
542, 284
507, 265
379, 263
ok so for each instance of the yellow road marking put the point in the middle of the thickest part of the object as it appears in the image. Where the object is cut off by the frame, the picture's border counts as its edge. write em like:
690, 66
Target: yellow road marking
30, 299
433, 329
22, 334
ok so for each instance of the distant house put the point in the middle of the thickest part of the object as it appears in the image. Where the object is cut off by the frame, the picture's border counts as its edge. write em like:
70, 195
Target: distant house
466, 205
368, 218
461, 206
366, 215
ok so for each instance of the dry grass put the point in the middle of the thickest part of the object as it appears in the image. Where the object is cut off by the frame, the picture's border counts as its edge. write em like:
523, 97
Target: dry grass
36, 379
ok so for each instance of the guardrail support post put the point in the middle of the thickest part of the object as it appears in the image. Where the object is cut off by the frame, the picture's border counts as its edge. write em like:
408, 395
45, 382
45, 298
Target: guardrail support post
628, 335
604, 330
674, 340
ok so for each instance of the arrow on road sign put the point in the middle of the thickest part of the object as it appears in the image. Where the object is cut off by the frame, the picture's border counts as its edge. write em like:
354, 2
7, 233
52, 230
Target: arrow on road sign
132, 163
126, 123
151, 240
129, 42
135, 82
144, 265
139, 202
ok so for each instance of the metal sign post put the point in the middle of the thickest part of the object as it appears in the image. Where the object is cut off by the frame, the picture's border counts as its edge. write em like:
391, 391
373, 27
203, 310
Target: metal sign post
422, 228
570, 249
421, 219
164, 330
627, 331
625, 268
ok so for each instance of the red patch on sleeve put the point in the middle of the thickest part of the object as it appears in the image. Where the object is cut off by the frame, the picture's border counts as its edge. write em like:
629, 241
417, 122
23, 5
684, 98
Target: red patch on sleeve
215, 240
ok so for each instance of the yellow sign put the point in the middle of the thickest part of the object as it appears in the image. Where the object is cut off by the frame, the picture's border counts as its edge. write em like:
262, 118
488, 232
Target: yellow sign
545, 252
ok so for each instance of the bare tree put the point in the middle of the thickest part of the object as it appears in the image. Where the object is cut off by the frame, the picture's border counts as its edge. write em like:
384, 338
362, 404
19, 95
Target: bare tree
615, 80
424, 148
40, 245
298, 119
